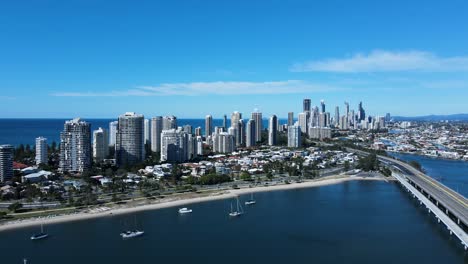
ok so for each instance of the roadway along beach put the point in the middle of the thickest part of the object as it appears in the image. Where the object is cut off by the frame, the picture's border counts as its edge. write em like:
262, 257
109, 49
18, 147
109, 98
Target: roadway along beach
105, 211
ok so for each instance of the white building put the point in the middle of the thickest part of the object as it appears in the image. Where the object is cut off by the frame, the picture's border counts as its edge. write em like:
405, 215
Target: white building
41, 150
294, 136
169, 122
320, 132
223, 142
156, 129
302, 121
112, 132
199, 141
257, 116
174, 145
272, 130
100, 144
147, 131
75, 146
6, 162
250, 133
130, 141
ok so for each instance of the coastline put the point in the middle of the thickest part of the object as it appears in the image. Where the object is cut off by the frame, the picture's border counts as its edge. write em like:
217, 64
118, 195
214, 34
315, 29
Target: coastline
104, 211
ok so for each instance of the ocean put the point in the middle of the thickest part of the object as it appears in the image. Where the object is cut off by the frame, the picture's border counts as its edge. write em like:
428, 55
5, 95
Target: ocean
353, 222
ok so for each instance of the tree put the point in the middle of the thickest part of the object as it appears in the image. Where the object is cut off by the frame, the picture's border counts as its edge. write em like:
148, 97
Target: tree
3, 215
14, 207
416, 165
245, 176
346, 165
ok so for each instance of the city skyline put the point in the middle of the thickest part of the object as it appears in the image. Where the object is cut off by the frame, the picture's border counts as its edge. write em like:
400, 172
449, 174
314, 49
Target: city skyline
154, 56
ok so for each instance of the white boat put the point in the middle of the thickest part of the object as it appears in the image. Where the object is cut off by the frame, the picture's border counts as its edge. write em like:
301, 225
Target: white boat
40, 235
251, 201
184, 210
131, 234
239, 210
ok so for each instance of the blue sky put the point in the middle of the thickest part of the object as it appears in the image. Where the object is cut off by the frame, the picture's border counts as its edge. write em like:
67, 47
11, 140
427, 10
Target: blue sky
192, 58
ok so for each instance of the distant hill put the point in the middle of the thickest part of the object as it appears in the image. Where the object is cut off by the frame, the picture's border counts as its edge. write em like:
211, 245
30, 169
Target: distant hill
454, 117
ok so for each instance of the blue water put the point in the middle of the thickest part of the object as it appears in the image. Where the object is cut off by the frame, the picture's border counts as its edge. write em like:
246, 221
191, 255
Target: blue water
353, 222
452, 173
25, 131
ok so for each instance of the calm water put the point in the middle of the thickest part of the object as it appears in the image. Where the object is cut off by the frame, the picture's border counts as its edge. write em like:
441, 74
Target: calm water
25, 131
452, 173
354, 222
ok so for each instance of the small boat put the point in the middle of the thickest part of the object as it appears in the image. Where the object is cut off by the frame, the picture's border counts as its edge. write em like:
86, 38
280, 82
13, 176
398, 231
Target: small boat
184, 210
131, 234
239, 210
41, 235
251, 200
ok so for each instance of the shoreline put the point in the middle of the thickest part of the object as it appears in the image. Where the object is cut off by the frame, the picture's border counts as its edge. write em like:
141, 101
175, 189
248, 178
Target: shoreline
104, 211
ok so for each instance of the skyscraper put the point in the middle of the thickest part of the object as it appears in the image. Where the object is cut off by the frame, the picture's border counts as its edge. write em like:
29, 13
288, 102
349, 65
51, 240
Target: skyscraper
187, 129
41, 151
6, 162
361, 112
294, 136
208, 125
257, 116
306, 105
75, 146
272, 130
225, 123
198, 131
322, 105
156, 129
236, 119
100, 144
240, 133
250, 133
290, 118
130, 143
223, 142
147, 131
169, 122
337, 116
302, 121
174, 145
112, 132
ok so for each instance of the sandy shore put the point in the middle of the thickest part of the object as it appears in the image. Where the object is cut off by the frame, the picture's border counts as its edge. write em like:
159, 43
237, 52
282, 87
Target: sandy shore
174, 202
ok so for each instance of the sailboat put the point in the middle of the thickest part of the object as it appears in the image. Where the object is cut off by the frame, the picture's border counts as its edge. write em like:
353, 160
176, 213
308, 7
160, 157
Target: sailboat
239, 210
41, 235
251, 200
132, 233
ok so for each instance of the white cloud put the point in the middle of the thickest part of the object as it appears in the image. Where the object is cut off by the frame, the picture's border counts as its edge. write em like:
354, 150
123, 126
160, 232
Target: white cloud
212, 88
386, 61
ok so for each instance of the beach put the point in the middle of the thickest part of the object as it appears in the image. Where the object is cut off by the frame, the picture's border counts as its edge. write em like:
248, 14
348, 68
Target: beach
104, 211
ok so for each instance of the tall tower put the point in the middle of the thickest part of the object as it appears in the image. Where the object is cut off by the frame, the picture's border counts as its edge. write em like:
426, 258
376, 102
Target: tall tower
156, 129
208, 125
112, 132
236, 118
130, 145
75, 146
306, 105
100, 144
302, 120
41, 151
337, 116
257, 116
294, 136
169, 122
6, 162
322, 105
250, 134
290, 118
272, 130
147, 131
225, 123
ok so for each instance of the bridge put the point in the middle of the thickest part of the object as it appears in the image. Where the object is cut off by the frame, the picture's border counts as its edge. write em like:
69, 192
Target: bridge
448, 206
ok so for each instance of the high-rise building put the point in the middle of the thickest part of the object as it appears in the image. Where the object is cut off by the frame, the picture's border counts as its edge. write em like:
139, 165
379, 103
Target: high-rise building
156, 130
223, 142
41, 151
306, 105
174, 145
147, 131
225, 125
198, 131
257, 116
347, 108
100, 144
337, 117
250, 133
112, 132
199, 141
169, 122
240, 133
290, 118
361, 112
322, 105
130, 142
187, 129
6, 163
208, 125
272, 130
344, 122
75, 146
320, 132
294, 136
322, 120
388, 117
302, 121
